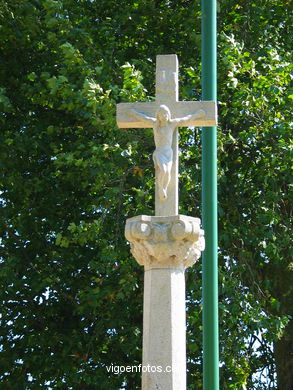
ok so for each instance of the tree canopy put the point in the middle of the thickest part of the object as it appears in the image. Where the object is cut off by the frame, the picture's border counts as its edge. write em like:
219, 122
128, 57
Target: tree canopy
71, 293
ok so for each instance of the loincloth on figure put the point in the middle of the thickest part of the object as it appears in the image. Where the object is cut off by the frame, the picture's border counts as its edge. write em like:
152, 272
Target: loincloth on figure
163, 158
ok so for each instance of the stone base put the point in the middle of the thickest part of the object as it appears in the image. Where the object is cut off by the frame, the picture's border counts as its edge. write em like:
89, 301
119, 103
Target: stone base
165, 246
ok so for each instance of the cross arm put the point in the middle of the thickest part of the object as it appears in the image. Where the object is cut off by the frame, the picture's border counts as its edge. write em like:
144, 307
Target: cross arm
198, 114
187, 113
136, 115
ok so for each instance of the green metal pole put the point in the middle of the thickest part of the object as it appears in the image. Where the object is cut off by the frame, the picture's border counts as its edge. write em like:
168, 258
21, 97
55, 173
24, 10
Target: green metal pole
209, 207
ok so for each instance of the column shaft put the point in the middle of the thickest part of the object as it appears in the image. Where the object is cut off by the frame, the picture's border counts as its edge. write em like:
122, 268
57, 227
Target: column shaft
164, 328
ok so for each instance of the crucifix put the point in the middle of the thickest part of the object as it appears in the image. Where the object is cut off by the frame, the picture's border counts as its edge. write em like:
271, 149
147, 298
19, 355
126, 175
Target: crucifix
167, 243
165, 115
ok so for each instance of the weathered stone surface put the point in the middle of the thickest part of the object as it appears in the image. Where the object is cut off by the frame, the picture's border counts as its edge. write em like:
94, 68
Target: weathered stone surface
165, 242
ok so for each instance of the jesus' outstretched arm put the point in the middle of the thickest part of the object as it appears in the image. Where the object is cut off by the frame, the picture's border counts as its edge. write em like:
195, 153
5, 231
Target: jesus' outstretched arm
140, 115
200, 114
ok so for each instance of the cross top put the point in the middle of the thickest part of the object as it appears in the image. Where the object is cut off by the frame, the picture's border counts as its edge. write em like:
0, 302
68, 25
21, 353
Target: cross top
165, 115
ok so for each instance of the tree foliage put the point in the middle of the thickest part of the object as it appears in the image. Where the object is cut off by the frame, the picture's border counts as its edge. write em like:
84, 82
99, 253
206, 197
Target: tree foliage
71, 293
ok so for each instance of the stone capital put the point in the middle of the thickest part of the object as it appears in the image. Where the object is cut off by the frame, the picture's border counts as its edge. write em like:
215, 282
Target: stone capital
165, 242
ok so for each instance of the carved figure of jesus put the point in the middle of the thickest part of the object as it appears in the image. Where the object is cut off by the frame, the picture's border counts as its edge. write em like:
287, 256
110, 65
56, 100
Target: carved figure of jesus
164, 126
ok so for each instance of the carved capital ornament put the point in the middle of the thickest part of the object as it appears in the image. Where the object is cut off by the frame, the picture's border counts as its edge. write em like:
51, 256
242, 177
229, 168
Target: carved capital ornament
165, 242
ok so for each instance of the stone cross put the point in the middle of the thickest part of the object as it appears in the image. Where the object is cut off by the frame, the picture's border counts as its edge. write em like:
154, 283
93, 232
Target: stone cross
167, 243
165, 115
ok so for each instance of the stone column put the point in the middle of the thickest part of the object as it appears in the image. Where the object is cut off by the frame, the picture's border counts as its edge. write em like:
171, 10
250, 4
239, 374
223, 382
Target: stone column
165, 246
